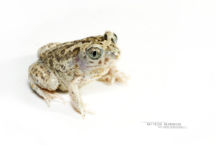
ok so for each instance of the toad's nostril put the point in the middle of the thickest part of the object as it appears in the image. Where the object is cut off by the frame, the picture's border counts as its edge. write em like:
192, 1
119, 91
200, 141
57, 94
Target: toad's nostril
116, 54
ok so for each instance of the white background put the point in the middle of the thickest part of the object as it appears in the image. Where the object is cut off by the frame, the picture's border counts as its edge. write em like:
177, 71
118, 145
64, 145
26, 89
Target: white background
170, 51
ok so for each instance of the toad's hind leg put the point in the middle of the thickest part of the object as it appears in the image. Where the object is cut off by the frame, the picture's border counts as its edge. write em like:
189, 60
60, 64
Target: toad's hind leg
43, 81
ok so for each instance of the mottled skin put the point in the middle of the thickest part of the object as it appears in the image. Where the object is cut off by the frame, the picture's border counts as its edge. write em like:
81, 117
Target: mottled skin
70, 65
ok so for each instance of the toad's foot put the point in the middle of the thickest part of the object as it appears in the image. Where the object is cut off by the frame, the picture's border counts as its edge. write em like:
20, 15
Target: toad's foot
114, 76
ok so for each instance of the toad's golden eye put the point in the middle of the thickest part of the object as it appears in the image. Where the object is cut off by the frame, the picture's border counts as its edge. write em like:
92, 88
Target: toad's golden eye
94, 52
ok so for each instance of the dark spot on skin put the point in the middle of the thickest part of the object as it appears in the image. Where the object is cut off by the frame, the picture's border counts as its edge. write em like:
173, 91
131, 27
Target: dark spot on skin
69, 74
100, 61
76, 51
68, 54
63, 67
72, 53
100, 39
51, 62
107, 79
91, 62
36, 74
42, 78
85, 41
58, 58
76, 66
57, 70
66, 46
50, 54
41, 74
106, 60
113, 45
105, 37
112, 40
63, 51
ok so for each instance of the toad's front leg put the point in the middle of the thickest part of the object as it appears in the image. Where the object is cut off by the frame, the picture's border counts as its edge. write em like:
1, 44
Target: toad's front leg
113, 76
75, 95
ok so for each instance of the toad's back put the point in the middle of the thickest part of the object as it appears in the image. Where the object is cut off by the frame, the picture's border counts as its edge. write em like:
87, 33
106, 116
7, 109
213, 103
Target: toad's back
56, 55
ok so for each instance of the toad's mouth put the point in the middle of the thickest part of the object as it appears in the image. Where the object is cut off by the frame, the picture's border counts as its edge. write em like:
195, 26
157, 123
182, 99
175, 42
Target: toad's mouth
98, 66
91, 66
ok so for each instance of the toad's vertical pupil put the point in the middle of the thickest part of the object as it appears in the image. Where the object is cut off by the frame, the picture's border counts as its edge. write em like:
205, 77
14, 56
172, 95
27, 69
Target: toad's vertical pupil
94, 53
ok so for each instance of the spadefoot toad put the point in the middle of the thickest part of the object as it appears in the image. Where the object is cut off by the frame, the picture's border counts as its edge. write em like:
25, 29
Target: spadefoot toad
70, 65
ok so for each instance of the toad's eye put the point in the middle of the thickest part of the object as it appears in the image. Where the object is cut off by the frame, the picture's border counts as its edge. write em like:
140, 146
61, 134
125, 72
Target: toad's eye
94, 53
